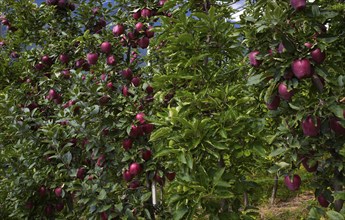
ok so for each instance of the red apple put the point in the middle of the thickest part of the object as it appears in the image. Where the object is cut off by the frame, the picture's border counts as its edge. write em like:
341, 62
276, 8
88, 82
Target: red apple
145, 13
170, 176
81, 173
252, 59
158, 179
52, 94
144, 42
140, 117
148, 128
149, 33
64, 58
42, 191
137, 15
59, 207
118, 29
284, 91
161, 2
134, 184
306, 165
149, 89
127, 176
111, 60
47, 60
101, 161
135, 81
308, 45
322, 201
125, 91
127, 73
310, 128
127, 144
48, 210
336, 126
136, 131
318, 56
293, 184
301, 68
92, 58
274, 104
146, 154
104, 100
110, 86
135, 169
139, 26
58, 191
106, 47
104, 216
298, 5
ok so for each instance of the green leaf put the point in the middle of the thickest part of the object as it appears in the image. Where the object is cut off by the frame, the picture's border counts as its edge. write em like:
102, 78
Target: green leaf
333, 215
161, 132
166, 152
145, 197
102, 195
67, 158
277, 152
256, 79
218, 175
178, 214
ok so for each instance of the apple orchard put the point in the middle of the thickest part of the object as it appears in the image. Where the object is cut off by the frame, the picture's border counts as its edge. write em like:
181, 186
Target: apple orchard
165, 109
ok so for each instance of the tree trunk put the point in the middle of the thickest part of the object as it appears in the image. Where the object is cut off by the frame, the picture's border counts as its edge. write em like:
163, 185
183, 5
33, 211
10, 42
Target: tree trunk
274, 190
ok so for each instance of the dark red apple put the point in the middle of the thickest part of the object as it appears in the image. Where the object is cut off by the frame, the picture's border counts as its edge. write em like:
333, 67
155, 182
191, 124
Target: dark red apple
101, 161
92, 58
39, 66
146, 154
29, 205
42, 191
148, 128
144, 42
306, 165
46, 60
134, 184
104, 100
288, 74
161, 2
106, 47
135, 169
137, 14
322, 201
111, 60
293, 184
146, 13
301, 68
274, 103
310, 128
149, 33
127, 144
252, 59
170, 176
127, 73
58, 191
5, 22
64, 58
52, 94
125, 91
298, 5
140, 117
318, 82
136, 131
135, 81
51, 2
110, 86
336, 126
118, 29
318, 56
158, 179
66, 74
149, 89
284, 91
81, 173
104, 216
127, 176
59, 207
48, 210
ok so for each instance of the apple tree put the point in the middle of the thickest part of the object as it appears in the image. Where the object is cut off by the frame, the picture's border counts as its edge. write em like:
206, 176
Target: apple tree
205, 120
74, 106
296, 56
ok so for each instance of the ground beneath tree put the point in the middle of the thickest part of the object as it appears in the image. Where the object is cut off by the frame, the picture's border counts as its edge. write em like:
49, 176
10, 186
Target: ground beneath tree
292, 208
